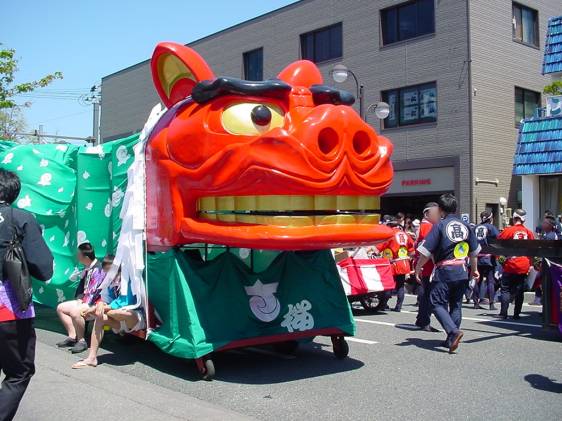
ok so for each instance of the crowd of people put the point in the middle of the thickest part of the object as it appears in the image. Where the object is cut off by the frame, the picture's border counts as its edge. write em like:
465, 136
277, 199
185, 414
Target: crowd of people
444, 259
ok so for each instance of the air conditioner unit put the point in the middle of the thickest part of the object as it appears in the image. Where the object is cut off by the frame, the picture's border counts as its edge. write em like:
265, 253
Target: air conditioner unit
554, 106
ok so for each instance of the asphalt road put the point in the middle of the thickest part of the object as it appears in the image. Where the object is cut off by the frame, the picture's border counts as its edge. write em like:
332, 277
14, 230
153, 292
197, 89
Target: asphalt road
503, 370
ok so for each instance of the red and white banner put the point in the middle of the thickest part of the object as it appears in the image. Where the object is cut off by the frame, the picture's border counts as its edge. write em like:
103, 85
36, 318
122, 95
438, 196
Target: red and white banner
361, 276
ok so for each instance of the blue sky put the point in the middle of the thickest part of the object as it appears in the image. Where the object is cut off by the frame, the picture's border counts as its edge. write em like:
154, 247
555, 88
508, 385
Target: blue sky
89, 39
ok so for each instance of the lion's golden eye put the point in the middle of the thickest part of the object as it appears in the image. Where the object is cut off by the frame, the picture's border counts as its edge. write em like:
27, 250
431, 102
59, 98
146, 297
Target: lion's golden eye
250, 119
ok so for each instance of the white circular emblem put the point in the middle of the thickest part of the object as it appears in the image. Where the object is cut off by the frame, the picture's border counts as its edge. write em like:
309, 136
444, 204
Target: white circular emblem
456, 231
481, 232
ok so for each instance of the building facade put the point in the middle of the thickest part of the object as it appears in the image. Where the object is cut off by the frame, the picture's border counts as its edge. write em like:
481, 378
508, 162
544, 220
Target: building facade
538, 157
458, 74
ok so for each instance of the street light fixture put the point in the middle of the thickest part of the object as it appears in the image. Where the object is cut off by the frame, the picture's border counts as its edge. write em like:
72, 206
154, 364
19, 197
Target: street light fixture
381, 109
340, 73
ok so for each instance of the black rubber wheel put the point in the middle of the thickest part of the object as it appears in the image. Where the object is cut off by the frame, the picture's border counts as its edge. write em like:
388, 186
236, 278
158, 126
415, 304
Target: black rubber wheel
341, 347
287, 347
369, 303
209, 373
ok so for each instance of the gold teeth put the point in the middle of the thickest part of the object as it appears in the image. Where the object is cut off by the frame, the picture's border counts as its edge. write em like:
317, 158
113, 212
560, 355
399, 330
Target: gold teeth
210, 207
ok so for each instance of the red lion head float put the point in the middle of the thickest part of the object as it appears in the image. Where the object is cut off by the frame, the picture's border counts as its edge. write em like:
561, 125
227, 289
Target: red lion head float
279, 164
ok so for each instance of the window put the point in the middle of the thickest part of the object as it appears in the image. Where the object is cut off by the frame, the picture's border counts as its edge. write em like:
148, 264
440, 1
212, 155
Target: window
253, 64
407, 20
411, 105
323, 44
526, 102
525, 25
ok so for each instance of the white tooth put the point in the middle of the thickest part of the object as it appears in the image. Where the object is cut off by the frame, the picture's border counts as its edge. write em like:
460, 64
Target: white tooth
335, 219
225, 203
368, 202
271, 203
325, 202
227, 218
347, 202
291, 221
245, 203
301, 202
369, 219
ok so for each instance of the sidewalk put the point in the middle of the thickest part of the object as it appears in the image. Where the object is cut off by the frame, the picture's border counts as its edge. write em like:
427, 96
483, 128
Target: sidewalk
57, 392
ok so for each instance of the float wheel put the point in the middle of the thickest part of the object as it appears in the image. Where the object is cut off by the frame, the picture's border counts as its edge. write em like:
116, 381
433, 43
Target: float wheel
340, 347
369, 303
206, 368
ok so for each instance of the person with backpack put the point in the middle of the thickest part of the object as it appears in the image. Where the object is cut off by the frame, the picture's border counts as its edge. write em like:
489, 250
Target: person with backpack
18, 230
485, 231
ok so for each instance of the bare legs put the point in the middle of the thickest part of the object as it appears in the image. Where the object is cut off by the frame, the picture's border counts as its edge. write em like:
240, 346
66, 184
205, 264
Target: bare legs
112, 319
71, 318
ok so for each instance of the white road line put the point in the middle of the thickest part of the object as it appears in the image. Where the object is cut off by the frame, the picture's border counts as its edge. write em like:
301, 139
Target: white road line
359, 340
475, 319
376, 322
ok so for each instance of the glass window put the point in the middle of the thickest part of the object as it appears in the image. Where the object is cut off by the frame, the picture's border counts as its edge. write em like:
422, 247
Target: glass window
389, 19
550, 194
253, 64
391, 98
426, 17
407, 20
411, 105
526, 102
323, 44
525, 25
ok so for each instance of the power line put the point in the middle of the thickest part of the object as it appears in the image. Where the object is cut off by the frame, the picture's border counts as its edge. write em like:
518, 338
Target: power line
65, 116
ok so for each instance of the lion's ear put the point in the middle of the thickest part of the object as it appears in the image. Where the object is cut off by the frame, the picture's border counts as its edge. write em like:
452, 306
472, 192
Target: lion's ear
301, 73
176, 69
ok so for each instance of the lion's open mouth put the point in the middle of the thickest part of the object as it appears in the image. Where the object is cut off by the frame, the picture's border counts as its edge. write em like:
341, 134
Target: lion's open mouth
291, 210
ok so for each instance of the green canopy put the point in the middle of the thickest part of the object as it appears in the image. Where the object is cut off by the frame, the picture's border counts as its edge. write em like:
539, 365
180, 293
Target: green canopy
76, 194
205, 306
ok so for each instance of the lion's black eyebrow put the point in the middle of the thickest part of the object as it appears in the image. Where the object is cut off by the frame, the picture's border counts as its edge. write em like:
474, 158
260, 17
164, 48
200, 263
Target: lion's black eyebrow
324, 94
207, 90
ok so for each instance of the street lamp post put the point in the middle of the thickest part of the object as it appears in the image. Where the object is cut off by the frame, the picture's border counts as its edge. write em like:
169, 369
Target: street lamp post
340, 73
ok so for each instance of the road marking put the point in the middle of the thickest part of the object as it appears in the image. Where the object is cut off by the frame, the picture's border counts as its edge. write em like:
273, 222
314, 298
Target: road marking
376, 322
359, 340
475, 319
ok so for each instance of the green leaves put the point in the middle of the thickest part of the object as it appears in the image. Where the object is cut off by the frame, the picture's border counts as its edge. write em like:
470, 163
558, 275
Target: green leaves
8, 69
555, 88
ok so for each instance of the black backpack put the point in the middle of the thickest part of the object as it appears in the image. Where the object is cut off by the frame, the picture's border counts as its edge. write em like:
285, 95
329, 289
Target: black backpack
15, 268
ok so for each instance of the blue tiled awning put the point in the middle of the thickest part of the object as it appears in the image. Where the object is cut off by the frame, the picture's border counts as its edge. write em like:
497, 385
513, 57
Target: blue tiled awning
539, 147
553, 47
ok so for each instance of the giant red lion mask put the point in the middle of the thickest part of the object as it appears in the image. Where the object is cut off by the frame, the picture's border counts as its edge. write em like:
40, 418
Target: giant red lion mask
279, 164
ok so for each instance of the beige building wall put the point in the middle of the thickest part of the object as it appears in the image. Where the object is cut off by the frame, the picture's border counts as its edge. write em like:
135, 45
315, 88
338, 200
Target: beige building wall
499, 64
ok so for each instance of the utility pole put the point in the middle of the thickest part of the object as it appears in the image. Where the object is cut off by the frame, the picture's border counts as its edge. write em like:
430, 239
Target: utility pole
94, 98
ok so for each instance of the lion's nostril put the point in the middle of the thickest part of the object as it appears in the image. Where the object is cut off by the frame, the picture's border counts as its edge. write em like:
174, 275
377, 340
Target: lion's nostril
361, 142
327, 140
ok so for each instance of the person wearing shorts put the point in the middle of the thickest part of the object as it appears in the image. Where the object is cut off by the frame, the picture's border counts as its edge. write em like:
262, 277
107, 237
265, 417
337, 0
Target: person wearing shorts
119, 315
70, 312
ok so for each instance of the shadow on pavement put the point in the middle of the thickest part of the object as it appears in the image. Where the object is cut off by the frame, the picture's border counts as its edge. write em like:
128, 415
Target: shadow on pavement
540, 382
428, 344
246, 366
